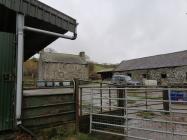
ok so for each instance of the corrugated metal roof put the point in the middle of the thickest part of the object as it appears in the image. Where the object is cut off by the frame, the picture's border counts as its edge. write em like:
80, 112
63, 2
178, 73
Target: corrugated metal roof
37, 15
62, 58
158, 61
41, 11
106, 70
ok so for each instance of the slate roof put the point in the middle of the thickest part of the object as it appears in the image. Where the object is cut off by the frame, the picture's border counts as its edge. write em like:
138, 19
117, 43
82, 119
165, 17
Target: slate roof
62, 58
158, 61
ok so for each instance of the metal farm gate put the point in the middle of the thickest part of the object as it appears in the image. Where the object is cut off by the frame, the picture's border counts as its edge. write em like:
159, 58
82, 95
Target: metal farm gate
137, 113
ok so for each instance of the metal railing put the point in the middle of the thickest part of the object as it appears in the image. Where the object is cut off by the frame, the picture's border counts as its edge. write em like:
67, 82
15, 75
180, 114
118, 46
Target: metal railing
136, 113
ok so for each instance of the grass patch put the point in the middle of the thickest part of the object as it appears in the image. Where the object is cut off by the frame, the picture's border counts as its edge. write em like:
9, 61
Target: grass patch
156, 98
165, 113
141, 96
146, 114
80, 136
131, 102
57, 133
68, 133
64, 133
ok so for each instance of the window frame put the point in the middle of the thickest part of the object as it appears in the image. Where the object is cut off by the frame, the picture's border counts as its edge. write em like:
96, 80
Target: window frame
164, 75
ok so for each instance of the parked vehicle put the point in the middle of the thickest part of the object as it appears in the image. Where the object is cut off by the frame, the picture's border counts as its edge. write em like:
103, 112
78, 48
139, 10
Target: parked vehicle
122, 80
150, 82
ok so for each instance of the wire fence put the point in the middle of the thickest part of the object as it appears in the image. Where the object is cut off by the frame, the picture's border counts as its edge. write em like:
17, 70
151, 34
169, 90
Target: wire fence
136, 113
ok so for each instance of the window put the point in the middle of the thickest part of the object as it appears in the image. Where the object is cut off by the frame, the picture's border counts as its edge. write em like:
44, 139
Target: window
163, 75
129, 74
144, 75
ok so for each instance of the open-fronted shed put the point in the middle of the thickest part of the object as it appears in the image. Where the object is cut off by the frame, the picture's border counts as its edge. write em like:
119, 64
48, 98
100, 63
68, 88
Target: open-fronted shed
26, 27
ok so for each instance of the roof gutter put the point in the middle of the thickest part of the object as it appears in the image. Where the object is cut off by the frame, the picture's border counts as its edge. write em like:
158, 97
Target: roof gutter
52, 33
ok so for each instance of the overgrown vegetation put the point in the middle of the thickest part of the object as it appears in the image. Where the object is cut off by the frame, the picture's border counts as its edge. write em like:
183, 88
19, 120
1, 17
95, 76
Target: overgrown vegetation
31, 68
30, 72
67, 132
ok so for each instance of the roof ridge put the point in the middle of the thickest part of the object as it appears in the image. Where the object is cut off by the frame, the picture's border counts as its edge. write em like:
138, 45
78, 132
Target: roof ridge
60, 53
157, 61
155, 55
62, 58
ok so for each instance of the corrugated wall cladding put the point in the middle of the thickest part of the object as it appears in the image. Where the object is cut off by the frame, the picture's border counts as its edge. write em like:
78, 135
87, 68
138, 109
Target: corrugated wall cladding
41, 11
48, 110
7, 79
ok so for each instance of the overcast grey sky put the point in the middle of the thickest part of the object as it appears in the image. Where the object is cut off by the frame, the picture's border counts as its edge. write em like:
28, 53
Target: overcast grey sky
110, 31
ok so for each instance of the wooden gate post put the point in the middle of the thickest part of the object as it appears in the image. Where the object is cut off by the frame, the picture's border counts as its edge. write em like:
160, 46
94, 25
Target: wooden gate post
165, 97
121, 95
101, 97
77, 105
121, 99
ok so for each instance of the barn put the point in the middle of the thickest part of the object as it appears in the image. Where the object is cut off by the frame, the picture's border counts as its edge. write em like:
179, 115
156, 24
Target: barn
165, 68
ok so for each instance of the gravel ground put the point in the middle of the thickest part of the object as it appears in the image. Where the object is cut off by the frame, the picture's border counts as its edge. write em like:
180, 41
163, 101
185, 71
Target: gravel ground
170, 131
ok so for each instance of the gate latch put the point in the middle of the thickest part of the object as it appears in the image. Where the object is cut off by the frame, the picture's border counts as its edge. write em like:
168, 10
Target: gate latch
8, 77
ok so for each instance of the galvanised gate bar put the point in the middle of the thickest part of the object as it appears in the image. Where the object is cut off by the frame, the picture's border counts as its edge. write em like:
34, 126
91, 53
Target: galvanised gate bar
145, 113
26, 27
140, 113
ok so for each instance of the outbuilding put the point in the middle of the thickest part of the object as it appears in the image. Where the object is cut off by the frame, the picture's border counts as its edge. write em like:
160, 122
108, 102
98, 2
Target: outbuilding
165, 68
61, 66
26, 27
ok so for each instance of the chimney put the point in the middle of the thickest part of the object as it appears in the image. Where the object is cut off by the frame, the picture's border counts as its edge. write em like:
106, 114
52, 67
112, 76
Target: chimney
82, 55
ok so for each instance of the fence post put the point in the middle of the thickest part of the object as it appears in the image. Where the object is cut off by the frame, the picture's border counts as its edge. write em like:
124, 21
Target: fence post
110, 103
126, 112
146, 92
121, 95
91, 110
77, 102
80, 101
101, 97
166, 100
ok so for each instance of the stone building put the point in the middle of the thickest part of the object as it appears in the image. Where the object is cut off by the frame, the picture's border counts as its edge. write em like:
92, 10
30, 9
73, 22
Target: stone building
59, 66
165, 68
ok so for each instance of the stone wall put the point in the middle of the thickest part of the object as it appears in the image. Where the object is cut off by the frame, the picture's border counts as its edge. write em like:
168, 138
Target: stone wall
175, 74
61, 71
